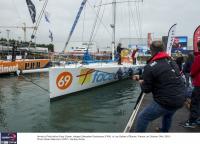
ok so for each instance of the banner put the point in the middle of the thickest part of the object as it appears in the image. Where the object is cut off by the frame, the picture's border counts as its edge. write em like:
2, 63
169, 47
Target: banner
171, 35
196, 38
32, 10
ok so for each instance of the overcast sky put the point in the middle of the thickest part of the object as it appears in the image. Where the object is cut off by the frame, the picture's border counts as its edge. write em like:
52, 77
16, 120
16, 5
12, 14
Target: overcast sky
155, 16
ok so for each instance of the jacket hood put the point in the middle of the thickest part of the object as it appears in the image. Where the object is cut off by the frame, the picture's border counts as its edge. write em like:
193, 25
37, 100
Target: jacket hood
160, 55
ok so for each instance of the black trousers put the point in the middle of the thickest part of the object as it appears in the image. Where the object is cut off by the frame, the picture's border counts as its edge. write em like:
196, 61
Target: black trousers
195, 105
119, 60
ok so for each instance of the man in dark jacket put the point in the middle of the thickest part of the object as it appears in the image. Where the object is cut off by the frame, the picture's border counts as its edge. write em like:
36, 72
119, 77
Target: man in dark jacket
119, 50
195, 99
162, 77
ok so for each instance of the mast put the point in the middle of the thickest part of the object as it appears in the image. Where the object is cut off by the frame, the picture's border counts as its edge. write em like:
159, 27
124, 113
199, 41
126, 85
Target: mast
113, 26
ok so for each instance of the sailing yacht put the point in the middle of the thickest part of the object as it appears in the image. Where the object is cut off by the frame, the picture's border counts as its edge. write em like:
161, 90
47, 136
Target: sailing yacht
72, 78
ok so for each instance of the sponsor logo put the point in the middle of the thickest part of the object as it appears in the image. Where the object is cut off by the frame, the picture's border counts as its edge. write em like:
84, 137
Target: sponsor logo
96, 76
64, 80
85, 76
7, 69
8, 138
100, 77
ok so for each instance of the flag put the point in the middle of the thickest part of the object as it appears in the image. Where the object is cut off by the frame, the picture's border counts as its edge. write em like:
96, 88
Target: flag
47, 19
171, 36
51, 35
196, 38
46, 16
32, 10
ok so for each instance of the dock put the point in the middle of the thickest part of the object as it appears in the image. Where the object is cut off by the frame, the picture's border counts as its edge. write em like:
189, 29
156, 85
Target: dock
180, 117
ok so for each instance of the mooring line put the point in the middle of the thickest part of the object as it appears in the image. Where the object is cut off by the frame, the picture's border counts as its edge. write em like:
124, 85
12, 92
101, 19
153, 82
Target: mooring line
28, 80
134, 114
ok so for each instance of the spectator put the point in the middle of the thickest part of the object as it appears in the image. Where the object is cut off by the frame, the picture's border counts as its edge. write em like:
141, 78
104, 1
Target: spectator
134, 55
193, 121
179, 60
187, 68
162, 77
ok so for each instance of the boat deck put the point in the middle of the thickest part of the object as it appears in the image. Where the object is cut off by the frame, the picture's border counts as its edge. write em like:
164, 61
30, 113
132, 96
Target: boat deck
180, 116
99, 65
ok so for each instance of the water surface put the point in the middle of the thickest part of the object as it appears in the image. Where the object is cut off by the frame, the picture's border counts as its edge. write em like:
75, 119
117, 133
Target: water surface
24, 107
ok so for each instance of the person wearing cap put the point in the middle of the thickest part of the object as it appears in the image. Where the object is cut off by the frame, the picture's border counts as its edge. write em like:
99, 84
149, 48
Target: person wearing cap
162, 78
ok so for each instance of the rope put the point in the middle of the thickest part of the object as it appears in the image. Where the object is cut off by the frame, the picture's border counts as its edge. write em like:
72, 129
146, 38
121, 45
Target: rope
139, 19
18, 14
100, 21
134, 114
38, 22
129, 22
29, 80
134, 23
94, 25
83, 22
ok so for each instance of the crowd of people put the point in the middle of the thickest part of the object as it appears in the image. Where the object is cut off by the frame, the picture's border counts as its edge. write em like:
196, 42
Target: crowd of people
169, 80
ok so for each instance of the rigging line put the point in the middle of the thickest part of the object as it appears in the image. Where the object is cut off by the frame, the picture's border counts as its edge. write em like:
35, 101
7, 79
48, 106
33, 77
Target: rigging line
18, 14
94, 25
139, 20
38, 22
84, 22
134, 23
129, 22
101, 22
136, 10
40, 17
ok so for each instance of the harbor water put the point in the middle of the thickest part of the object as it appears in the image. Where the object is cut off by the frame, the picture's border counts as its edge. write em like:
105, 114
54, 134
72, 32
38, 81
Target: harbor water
25, 107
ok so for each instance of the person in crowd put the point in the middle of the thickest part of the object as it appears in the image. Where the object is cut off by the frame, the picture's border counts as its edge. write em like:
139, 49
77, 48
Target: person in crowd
187, 68
179, 60
161, 76
133, 55
193, 120
119, 49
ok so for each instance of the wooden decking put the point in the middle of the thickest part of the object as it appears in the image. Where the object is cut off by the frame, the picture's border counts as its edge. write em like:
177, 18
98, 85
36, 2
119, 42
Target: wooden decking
180, 116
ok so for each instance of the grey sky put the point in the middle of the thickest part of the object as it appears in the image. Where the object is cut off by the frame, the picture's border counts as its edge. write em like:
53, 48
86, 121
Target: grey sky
156, 16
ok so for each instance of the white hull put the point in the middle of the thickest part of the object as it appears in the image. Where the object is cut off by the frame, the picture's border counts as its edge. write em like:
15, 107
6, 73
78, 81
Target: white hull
74, 78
